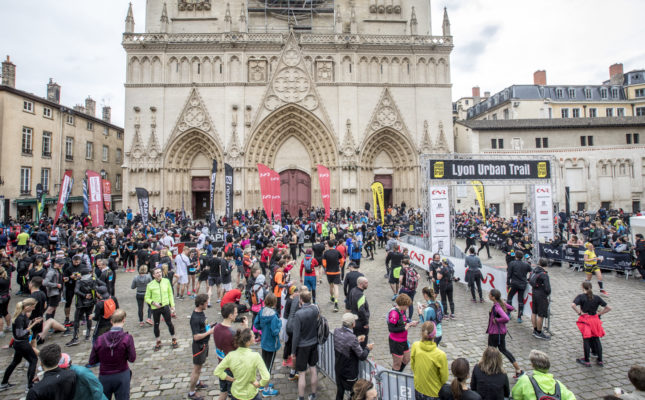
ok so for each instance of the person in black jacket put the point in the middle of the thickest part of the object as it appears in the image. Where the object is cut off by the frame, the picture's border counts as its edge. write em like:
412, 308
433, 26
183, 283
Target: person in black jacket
350, 281
85, 291
516, 281
540, 305
393, 262
56, 383
358, 306
488, 378
348, 350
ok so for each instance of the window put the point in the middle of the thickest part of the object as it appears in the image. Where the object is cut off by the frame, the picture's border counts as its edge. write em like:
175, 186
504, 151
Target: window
541, 143
583, 140
106, 153
493, 143
506, 114
516, 144
69, 148
47, 144
119, 135
637, 138
609, 112
467, 101
25, 180
559, 93
44, 179
538, 142
117, 182
518, 208
104, 174
589, 140
89, 150
565, 113
28, 106
70, 119
27, 134
614, 93
119, 155
106, 130
593, 113
582, 206
636, 206
640, 92
603, 93
495, 116
640, 111
628, 138
572, 93
605, 204
497, 143
588, 94
620, 112
90, 125
575, 112
47, 112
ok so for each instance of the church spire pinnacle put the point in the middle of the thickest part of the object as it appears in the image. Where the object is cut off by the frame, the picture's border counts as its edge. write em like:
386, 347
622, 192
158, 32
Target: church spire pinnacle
339, 20
413, 22
352, 19
243, 26
446, 22
129, 21
164, 19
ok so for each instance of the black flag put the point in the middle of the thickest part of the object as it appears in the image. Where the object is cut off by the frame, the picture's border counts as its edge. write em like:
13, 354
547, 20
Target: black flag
144, 204
228, 180
213, 176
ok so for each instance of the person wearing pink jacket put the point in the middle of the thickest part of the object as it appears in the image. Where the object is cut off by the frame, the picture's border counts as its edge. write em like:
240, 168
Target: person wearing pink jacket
497, 320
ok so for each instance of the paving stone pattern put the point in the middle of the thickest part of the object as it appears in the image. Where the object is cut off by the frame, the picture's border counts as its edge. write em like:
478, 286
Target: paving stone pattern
165, 374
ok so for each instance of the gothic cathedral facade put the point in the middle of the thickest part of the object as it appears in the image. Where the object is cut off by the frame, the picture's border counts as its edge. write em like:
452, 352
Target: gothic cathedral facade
359, 86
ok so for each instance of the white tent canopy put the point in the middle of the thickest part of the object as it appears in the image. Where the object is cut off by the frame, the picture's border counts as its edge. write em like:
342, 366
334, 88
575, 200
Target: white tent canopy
637, 225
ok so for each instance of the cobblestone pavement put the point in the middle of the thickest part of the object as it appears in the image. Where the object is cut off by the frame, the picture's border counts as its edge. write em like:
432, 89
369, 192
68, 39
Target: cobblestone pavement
165, 374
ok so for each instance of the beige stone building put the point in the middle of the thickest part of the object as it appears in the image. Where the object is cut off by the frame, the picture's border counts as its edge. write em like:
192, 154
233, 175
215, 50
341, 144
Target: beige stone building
362, 87
600, 160
40, 139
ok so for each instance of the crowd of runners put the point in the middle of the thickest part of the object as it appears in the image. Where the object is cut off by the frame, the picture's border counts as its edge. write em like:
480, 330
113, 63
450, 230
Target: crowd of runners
265, 281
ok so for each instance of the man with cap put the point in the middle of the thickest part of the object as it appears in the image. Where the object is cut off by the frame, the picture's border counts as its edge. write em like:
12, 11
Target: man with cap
85, 291
71, 274
348, 352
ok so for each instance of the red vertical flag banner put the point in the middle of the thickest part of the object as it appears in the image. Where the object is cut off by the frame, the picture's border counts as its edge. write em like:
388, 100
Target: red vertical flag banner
95, 196
107, 194
265, 188
325, 189
65, 185
276, 198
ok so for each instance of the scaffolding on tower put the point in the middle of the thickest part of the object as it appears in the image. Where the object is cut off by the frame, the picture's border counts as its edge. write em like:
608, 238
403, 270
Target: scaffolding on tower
299, 15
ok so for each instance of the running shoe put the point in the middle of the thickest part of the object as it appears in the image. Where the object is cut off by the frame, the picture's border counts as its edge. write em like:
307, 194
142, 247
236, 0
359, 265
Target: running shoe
312, 396
394, 297
67, 332
541, 336
335, 307
603, 291
5, 386
452, 316
582, 362
481, 300
149, 321
600, 363
175, 344
293, 376
270, 392
201, 385
142, 324
157, 346
73, 342
195, 396
519, 320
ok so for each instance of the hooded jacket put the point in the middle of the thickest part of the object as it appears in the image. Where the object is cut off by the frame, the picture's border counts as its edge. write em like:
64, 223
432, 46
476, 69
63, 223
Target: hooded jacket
113, 350
270, 324
430, 367
497, 319
348, 352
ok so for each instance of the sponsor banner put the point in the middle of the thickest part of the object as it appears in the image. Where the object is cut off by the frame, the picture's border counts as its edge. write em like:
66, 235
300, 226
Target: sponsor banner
439, 219
86, 206
40, 201
144, 204
490, 169
276, 198
219, 236
576, 255
543, 212
377, 192
95, 197
107, 194
265, 188
325, 188
63, 194
212, 203
228, 191
478, 186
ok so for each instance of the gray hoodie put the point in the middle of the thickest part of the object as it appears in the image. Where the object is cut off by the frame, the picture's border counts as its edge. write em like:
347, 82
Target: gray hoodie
140, 282
258, 287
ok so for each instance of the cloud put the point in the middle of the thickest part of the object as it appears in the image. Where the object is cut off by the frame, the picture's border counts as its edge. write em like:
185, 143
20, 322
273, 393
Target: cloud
466, 56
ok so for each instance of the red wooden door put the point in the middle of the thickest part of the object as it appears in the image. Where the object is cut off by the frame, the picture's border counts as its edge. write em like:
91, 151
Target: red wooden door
295, 189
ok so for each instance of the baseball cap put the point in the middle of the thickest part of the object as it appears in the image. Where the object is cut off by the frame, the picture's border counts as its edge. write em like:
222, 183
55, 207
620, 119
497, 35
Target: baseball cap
349, 318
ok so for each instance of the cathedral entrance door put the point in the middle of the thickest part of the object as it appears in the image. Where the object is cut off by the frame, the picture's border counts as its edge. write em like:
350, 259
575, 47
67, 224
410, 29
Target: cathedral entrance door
201, 196
295, 189
386, 181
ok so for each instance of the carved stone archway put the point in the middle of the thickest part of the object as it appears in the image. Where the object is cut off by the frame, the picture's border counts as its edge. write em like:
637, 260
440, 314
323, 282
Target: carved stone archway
279, 126
405, 164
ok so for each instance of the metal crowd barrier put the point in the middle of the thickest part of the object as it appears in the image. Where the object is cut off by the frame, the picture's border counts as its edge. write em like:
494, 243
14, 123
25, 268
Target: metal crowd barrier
391, 385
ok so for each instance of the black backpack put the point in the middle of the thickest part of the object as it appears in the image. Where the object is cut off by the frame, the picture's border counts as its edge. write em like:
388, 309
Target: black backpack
539, 393
533, 278
323, 329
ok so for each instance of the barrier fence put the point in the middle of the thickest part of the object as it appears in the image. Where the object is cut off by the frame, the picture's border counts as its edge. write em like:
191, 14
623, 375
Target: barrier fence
391, 385
575, 255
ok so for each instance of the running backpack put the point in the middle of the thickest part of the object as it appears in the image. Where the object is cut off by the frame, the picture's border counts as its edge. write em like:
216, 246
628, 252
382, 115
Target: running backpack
109, 306
438, 313
533, 278
539, 393
323, 329
411, 279
307, 263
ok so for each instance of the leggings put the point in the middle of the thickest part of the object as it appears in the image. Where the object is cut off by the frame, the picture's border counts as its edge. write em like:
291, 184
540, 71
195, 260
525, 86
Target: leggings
293, 248
140, 307
446, 298
520, 299
499, 341
592, 344
481, 246
268, 357
82, 312
287, 346
22, 349
156, 316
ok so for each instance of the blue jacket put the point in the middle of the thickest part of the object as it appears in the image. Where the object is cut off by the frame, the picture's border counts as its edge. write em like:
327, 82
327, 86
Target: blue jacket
379, 230
88, 386
270, 324
356, 250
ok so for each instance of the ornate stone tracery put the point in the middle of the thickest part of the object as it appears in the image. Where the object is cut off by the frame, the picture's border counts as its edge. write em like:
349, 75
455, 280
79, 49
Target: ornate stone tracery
195, 116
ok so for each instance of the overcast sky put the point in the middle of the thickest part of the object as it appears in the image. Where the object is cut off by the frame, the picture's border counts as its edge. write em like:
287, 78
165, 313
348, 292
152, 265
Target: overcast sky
497, 43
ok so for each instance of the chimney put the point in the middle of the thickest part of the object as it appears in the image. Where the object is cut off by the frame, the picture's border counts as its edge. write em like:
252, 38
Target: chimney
107, 114
616, 74
90, 106
539, 77
476, 95
486, 95
8, 73
53, 91
79, 108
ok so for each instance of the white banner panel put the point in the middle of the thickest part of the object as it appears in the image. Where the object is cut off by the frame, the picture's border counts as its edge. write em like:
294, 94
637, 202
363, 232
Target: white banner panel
543, 212
440, 219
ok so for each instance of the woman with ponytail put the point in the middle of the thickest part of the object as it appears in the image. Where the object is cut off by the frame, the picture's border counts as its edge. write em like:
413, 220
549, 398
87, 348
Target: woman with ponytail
589, 324
22, 335
497, 320
429, 364
458, 388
